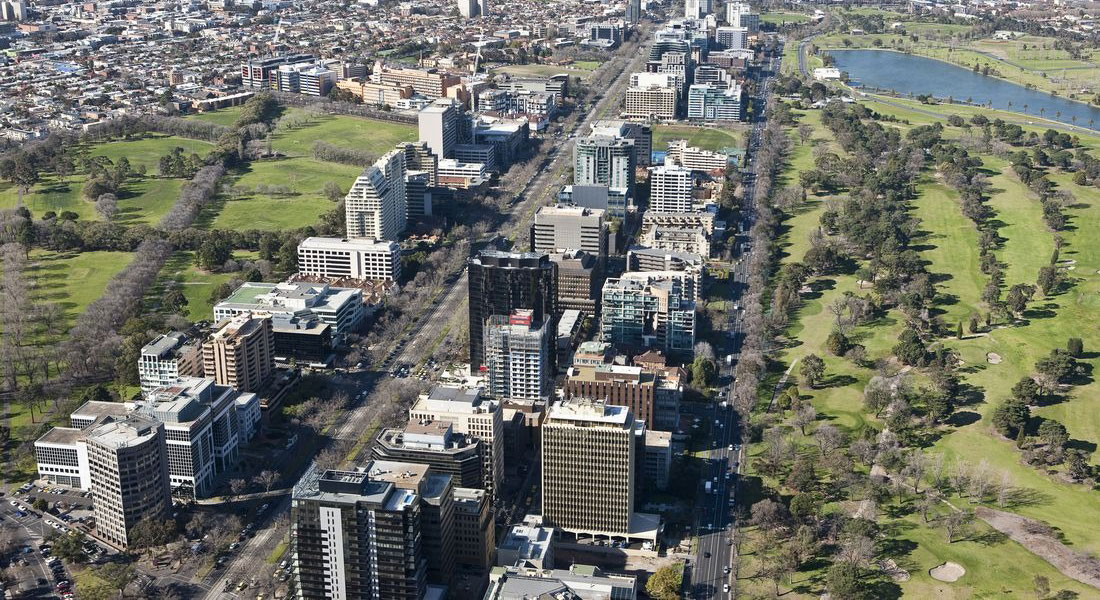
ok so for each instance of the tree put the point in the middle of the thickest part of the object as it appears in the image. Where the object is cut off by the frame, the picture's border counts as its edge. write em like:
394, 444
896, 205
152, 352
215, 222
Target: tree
1057, 366
174, 300
956, 523
804, 417
805, 131
1018, 297
214, 251
107, 206
69, 547
40, 504
1011, 417
1047, 280
803, 476
845, 582
959, 331
703, 372
1053, 434
117, 575
333, 192
828, 438
877, 395
1075, 346
910, 349
1042, 587
267, 479
837, 343
237, 486
812, 370
665, 583
1026, 390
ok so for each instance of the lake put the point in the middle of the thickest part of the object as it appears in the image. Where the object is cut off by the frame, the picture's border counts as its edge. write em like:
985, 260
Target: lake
906, 73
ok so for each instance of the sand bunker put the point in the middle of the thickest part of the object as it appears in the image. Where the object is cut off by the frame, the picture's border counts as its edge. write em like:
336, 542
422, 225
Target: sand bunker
948, 572
993, 358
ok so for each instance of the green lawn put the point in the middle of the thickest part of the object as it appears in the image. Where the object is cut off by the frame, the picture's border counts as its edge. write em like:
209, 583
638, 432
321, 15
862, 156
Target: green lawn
950, 244
73, 279
707, 138
305, 176
197, 284
780, 18
369, 135
148, 150
225, 116
53, 193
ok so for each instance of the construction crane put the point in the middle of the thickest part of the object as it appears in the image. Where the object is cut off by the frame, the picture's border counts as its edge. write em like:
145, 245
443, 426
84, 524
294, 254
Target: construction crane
278, 32
477, 58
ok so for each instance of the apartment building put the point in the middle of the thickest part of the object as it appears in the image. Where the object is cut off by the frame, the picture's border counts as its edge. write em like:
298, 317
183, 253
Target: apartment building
696, 159
128, 470
588, 456
640, 310
375, 205
436, 444
613, 201
640, 133
462, 175
709, 102
739, 14
651, 259
670, 188
341, 308
501, 282
168, 358
260, 73
604, 160
559, 228
358, 258
469, 414
732, 37
375, 93
651, 395
437, 511
356, 538
241, 353
517, 356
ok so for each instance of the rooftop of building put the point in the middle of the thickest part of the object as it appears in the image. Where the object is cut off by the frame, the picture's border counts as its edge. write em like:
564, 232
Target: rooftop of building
408, 476
242, 325
658, 438
579, 582
529, 539
269, 295
567, 210
166, 345
582, 410
118, 433
348, 244
455, 399
94, 409
61, 436
469, 495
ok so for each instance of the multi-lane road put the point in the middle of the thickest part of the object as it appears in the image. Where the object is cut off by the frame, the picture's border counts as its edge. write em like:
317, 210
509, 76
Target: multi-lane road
713, 569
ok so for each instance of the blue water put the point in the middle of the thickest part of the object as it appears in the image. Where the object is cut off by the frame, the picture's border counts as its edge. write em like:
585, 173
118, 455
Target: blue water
905, 74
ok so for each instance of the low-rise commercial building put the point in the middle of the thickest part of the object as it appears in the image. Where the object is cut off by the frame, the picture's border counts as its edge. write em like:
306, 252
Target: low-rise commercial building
578, 581
168, 358
341, 308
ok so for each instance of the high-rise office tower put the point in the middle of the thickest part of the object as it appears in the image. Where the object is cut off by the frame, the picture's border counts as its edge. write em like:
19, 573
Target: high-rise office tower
241, 354
633, 11
475, 529
501, 282
517, 354
435, 443
129, 474
356, 538
604, 160
670, 189
559, 228
588, 457
375, 205
580, 281
467, 8
441, 125
472, 415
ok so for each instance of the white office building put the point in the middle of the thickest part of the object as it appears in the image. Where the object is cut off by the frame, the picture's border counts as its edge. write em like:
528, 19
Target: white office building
558, 228
375, 205
440, 125
732, 37
470, 414
358, 258
517, 354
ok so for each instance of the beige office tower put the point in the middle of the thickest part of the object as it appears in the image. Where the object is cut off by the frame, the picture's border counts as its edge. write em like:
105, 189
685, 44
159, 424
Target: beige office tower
129, 474
471, 414
588, 467
241, 353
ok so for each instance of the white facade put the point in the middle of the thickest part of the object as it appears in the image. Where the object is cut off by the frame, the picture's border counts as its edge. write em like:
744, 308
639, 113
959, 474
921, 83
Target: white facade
375, 205
351, 258
440, 125
732, 37
654, 102
469, 414
166, 359
670, 189
342, 308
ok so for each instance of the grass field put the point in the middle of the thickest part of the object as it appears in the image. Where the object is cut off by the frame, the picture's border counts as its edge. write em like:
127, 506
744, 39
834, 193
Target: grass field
369, 135
196, 284
143, 200
225, 116
707, 138
580, 69
780, 18
995, 566
148, 150
305, 176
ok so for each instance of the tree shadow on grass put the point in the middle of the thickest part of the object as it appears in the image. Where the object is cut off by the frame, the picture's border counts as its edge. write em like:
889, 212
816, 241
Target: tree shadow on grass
1083, 445
1019, 497
836, 381
963, 418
